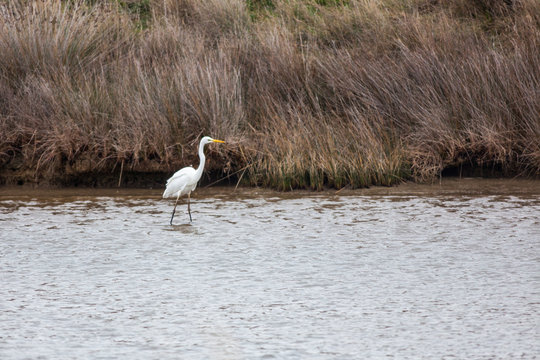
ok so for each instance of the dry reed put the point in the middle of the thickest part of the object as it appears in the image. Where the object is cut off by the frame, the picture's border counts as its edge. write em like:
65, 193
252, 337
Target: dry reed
307, 93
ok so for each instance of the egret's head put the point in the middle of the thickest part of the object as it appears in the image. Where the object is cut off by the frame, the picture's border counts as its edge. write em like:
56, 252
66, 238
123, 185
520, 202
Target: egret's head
207, 139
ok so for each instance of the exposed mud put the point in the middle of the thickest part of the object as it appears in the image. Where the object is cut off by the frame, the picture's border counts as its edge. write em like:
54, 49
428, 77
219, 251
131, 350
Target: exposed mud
445, 187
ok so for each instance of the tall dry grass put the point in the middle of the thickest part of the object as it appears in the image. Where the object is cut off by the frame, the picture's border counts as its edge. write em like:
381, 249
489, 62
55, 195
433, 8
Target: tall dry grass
307, 93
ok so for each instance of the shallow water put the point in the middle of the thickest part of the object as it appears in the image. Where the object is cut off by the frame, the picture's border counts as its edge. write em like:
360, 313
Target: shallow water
448, 271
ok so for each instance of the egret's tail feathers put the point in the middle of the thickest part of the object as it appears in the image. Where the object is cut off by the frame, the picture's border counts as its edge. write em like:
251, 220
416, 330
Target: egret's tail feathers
168, 193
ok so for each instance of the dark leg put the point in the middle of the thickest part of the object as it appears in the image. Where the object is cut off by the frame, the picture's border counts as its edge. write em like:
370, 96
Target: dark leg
176, 203
188, 207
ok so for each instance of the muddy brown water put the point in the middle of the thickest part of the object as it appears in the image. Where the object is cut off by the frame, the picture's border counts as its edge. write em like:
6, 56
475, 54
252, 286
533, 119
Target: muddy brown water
441, 271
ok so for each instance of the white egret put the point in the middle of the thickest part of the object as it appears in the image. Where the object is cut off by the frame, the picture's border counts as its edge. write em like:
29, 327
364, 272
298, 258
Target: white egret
184, 181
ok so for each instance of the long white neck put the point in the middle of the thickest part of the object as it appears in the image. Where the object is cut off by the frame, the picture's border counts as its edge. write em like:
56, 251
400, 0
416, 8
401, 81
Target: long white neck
198, 172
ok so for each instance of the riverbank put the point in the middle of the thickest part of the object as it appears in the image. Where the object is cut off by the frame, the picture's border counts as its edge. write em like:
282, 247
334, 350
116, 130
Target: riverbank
446, 187
307, 94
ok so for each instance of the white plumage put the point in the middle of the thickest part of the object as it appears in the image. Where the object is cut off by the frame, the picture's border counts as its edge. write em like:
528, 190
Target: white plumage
185, 180
180, 182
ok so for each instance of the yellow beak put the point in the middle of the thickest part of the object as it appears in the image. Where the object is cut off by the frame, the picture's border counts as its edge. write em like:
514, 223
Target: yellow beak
218, 141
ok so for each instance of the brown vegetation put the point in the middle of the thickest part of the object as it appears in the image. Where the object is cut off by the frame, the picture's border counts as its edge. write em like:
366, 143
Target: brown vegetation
307, 93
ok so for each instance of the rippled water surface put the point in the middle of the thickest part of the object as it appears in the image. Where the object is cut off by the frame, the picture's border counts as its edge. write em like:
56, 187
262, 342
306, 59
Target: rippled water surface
418, 272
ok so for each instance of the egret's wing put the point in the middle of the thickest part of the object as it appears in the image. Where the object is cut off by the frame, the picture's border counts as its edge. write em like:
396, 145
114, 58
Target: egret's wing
178, 181
180, 173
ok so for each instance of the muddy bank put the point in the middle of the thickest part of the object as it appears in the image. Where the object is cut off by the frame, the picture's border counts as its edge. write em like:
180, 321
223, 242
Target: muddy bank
223, 169
157, 180
114, 178
105, 174
152, 175
226, 189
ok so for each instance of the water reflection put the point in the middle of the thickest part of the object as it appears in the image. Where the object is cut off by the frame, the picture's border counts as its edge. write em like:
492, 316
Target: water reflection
408, 274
